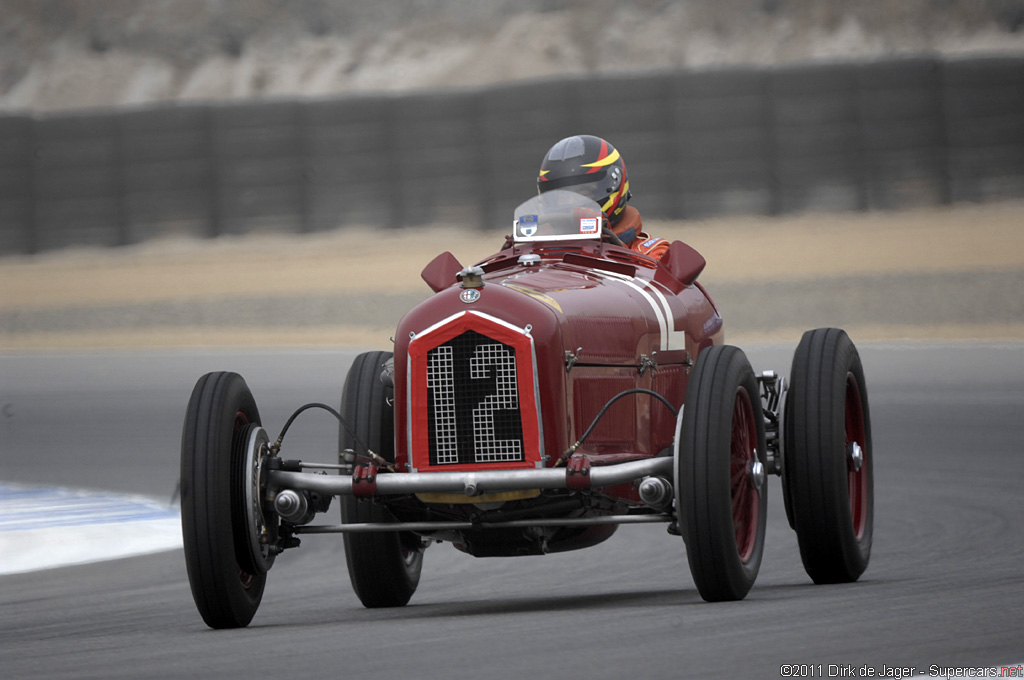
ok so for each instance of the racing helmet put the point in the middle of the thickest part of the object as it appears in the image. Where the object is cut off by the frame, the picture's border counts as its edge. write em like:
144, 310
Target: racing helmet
589, 166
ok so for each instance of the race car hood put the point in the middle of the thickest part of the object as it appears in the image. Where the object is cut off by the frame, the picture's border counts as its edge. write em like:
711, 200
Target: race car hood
544, 313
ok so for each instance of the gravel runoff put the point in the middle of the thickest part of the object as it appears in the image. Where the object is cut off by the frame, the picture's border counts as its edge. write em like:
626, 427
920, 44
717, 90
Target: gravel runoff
978, 300
940, 273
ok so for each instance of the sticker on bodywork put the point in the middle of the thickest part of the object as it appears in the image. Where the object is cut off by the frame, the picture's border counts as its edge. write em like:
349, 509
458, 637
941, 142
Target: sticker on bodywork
526, 225
589, 225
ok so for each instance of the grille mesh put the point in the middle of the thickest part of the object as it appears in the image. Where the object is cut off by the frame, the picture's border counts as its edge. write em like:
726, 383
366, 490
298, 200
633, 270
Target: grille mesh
473, 402
444, 446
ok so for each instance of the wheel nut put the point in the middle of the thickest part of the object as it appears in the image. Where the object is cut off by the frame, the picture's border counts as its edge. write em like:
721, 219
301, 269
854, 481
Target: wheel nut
855, 454
757, 473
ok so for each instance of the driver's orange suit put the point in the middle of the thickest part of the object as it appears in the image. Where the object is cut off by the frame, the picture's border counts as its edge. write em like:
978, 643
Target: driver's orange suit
630, 223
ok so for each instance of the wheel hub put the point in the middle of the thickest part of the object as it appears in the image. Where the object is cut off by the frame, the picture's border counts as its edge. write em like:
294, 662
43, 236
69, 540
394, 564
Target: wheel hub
260, 533
756, 472
855, 456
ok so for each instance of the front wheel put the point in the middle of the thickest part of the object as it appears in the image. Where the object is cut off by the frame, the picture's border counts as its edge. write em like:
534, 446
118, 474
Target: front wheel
721, 494
384, 567
829, 462
222, 449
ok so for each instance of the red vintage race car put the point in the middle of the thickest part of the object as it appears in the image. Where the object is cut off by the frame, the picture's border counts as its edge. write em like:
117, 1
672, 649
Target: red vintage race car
537, 401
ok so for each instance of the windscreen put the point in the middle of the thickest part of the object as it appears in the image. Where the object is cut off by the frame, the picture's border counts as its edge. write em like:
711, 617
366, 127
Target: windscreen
558, 216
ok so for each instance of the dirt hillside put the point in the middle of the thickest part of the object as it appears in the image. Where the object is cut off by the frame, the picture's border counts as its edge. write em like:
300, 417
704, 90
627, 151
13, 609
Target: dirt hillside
68, 54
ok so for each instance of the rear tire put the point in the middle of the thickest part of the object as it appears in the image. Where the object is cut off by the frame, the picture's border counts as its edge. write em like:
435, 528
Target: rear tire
831, 494
721, 494
227, 581
384, 567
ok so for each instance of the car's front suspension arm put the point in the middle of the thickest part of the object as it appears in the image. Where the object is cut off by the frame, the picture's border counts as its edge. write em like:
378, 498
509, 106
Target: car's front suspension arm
468, 483
427, 527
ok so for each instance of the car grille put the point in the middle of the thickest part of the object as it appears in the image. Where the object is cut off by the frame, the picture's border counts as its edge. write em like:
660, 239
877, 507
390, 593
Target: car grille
473, 407
473, 397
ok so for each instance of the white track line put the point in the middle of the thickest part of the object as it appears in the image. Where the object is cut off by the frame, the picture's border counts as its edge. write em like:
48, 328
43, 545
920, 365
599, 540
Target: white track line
47, 527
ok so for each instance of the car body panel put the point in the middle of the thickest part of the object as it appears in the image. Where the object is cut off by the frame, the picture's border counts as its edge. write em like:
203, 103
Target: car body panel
599, 321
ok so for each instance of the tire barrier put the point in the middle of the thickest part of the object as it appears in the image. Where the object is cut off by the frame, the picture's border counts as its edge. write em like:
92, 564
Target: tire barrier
830, 137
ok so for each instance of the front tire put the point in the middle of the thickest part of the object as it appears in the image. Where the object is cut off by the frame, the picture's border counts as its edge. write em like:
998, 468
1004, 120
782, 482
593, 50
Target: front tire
721, 494
227, 581
829, 461
384, 567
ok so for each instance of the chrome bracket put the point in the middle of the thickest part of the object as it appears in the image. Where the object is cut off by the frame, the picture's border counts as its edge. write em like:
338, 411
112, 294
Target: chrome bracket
571, 358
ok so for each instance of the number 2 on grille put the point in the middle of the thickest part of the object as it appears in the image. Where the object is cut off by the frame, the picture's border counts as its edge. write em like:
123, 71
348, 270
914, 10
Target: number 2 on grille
488, 447
475, 413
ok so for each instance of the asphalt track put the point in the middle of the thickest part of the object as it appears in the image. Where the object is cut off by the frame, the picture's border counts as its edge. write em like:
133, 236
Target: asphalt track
945, 586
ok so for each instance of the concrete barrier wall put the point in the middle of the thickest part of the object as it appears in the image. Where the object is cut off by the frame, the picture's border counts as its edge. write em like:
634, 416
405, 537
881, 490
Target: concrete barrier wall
878, 135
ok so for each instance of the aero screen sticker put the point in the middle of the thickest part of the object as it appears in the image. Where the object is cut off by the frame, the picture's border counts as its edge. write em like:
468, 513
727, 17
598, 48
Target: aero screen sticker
527, 225
588, 225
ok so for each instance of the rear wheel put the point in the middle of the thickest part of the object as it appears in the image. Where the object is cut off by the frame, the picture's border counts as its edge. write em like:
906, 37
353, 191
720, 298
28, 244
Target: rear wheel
721, 495
384, 567
829, 462
221, 453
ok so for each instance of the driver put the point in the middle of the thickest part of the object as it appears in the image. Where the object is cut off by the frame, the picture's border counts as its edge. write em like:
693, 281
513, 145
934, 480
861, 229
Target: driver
592, 167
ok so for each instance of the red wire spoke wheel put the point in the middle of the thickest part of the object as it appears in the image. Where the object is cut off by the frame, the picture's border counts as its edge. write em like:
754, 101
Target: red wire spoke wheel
745, 494
828, 470
858, 474
721, 492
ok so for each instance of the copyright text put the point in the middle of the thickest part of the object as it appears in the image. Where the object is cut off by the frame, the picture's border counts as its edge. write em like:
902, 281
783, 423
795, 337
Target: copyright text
833, 670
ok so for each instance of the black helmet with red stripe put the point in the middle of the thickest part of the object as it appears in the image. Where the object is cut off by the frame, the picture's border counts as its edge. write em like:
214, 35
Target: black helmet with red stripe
589, 166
